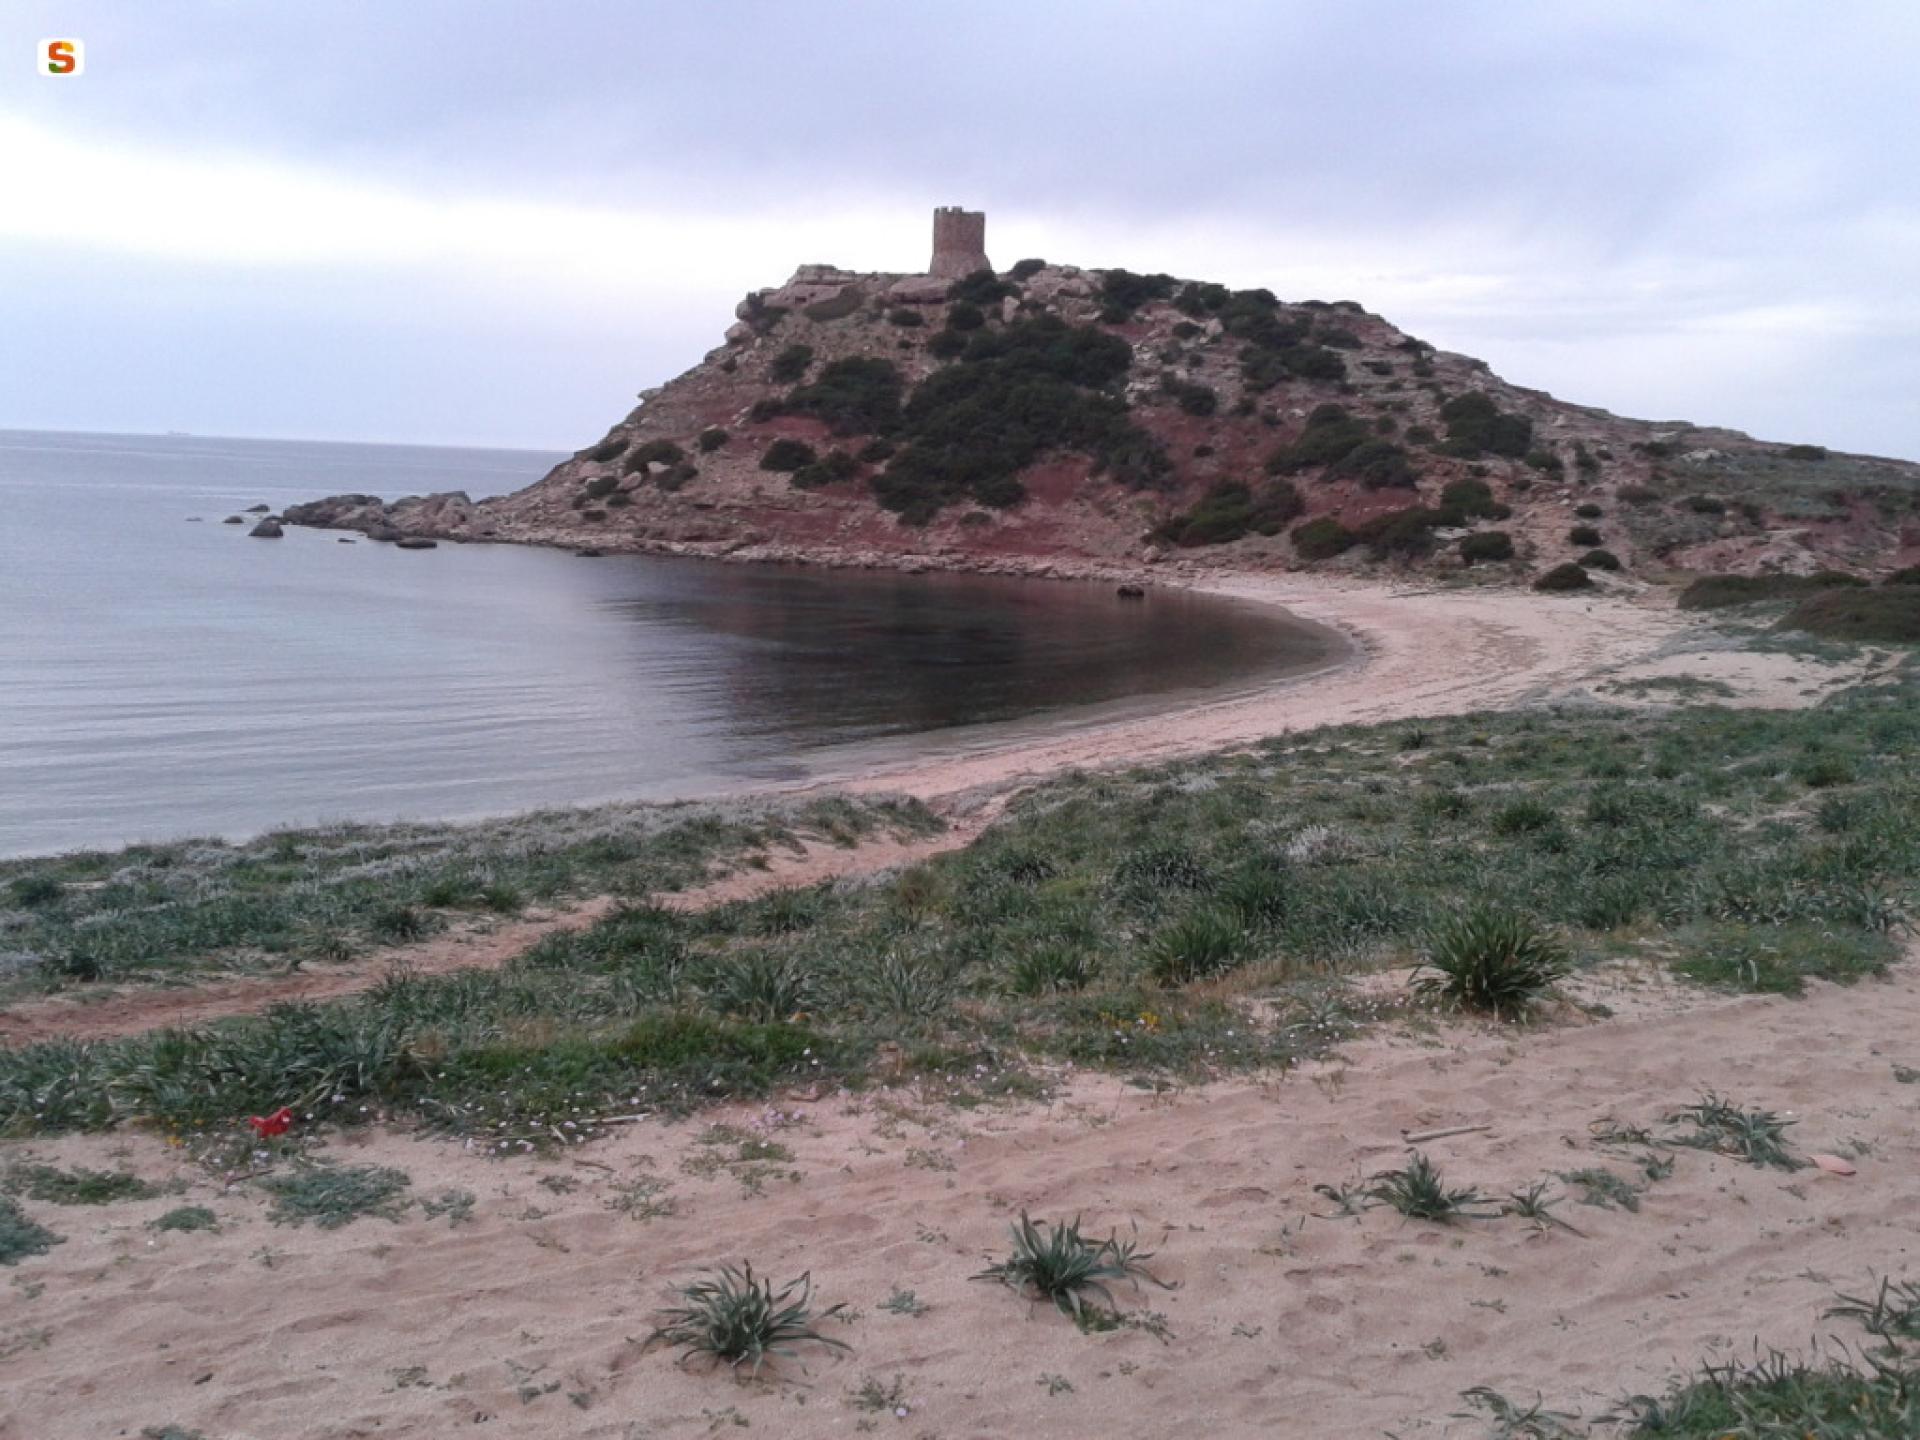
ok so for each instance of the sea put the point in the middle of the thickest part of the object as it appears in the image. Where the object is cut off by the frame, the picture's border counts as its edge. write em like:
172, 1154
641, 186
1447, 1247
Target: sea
163, 674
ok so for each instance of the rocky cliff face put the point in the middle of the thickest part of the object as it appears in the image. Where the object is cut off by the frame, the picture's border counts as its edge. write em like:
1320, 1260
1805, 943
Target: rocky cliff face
1056, 418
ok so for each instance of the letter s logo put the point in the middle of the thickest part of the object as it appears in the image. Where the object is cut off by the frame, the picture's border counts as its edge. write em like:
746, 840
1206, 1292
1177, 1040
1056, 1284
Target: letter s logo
61, 57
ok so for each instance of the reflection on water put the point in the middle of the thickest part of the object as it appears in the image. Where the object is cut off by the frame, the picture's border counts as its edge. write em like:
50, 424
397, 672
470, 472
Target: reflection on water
160, 677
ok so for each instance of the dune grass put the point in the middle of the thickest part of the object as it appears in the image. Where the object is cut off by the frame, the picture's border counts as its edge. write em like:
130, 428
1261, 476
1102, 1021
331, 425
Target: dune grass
1167, 923
163, 912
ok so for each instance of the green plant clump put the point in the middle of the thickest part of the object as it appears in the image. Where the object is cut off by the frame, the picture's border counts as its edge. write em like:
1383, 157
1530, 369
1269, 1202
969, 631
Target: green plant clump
1056, 1262
1561, 578
1230, 511
21, 1237
1322, 538
743, 1321
1488, 545
790, 364
335, 1195
787, 455
1417, 1191
1489, 959
1887, 616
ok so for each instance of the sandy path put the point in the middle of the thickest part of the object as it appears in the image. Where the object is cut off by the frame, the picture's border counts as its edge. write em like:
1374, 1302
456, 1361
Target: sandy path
1283, 1324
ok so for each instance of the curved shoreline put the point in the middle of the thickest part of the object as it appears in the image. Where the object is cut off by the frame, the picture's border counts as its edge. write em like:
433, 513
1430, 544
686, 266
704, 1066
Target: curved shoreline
1413, 650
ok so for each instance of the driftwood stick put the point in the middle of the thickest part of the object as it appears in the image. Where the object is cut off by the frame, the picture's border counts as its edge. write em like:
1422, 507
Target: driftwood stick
1415, 1137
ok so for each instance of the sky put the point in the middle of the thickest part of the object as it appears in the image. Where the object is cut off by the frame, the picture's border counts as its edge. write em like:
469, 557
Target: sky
491, 222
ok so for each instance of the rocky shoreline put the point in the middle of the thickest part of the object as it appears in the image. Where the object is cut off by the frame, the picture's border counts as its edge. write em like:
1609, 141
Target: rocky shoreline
455, 518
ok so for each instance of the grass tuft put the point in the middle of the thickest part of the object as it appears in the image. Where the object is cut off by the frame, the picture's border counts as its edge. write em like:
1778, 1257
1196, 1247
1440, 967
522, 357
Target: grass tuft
20, 1236
1056, 1262
743, 1321
1490, 959
1756, 1136
1417, 1191
331, 1196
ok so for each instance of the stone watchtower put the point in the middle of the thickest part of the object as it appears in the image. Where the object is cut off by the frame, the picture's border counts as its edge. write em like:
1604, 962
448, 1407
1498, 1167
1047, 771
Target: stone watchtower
959, 242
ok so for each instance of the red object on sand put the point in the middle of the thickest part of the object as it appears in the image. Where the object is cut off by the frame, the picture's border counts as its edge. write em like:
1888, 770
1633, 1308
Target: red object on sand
268, 1126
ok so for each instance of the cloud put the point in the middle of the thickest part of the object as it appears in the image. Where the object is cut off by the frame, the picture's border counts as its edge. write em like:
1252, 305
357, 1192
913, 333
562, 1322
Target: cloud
1666, 208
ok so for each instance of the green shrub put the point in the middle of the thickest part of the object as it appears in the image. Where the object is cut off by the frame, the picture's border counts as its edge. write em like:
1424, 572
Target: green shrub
963, 317
31, 891
1638, 495
1124, 292
1034, 387
1588, 511
1024, 270
1599, 560
1805, 452
711, 439
1908, 576
1331, 435
859, 395
1400, 534
834, 466
1322, 538
1713, 592
1470, 499
982, 287
906, 317
1705, 504
1193, 399
1231, 510
1488, 545
1477, 426
608, 449
663, 452
1583, 535
947, 345
600, 487
1490, 959
790, 364
1377, 465
1887, 616
1564, 577
787, 455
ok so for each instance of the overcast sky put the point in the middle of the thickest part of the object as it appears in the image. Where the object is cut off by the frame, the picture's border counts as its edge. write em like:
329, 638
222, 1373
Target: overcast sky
481, 222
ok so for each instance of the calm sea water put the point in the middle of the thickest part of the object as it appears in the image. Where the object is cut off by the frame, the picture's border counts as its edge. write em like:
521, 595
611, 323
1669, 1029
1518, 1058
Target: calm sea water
160, 677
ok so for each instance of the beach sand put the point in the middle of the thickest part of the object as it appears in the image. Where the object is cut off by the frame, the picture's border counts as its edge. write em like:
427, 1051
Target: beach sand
1285, 1319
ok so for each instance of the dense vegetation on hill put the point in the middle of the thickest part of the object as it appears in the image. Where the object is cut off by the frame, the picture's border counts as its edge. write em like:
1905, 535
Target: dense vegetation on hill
1111, 415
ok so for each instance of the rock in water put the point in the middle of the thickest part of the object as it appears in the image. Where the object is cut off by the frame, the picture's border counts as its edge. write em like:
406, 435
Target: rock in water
1132, 592
234, 520
259, 509
414, 542
267, 530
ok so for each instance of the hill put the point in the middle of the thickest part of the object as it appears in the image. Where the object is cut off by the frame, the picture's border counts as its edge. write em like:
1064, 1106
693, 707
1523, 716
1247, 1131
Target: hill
1050, 417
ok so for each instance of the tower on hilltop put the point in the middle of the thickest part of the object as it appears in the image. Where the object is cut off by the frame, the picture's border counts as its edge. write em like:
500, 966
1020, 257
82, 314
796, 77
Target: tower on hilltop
959, 242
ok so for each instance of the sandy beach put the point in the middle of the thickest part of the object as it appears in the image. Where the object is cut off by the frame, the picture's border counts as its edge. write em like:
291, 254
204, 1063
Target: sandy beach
1285, 1317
